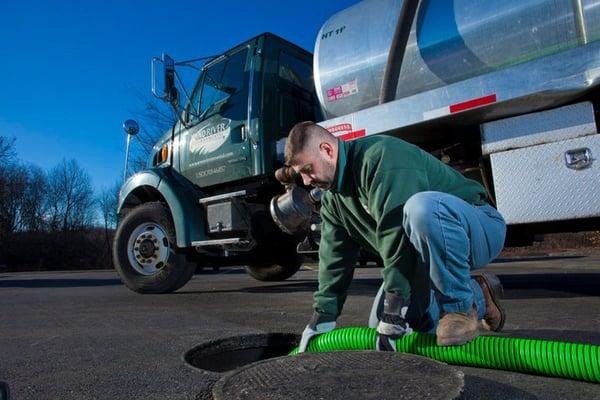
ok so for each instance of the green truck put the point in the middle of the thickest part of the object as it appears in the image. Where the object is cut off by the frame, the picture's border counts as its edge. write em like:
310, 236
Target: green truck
204, 198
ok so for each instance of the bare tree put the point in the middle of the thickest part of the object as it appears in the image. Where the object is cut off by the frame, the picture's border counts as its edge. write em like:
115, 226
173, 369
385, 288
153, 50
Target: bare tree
13, 182
107, 201
34, 202
46, 218
70, 197
155, 117
7, 149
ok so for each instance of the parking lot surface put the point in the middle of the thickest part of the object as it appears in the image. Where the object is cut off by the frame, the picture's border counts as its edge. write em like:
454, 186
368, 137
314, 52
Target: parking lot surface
83, 335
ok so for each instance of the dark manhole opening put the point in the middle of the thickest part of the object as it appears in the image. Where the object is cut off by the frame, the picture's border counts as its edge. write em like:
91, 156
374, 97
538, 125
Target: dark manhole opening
230, 353
4, 392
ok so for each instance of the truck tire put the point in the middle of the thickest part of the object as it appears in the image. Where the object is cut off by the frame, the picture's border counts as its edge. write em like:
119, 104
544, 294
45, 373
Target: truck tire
274, 263
145, 254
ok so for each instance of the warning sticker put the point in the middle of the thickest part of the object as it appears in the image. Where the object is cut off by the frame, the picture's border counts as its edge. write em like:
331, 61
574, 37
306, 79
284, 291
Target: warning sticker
345, 132
345, 90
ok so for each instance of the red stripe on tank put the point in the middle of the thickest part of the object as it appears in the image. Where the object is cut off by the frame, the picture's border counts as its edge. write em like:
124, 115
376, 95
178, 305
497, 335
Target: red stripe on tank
465, 105
353, 135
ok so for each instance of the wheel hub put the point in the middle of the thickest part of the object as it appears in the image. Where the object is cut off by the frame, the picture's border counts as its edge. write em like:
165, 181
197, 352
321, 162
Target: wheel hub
148, 248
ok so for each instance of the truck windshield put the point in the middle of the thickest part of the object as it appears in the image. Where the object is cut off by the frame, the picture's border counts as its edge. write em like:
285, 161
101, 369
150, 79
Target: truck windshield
221, 83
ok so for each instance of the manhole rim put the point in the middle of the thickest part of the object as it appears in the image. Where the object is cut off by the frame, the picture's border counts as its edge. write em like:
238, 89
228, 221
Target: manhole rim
294, 339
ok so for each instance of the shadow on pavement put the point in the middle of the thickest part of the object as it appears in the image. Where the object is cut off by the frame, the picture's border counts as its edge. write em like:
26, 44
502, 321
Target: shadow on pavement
297, 286
502, 260
358, 286
220, 271
535, 286
517, 286
481, 388
584, 337
58, 283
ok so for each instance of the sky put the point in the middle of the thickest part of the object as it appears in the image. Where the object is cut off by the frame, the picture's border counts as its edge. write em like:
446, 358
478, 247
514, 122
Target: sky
70, 69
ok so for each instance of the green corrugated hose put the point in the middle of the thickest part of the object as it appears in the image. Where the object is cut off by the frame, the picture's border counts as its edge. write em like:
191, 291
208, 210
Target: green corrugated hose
545, 357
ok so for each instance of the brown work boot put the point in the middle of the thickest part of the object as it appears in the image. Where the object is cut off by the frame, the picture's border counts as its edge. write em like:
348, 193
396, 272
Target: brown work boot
457, 328
494, 317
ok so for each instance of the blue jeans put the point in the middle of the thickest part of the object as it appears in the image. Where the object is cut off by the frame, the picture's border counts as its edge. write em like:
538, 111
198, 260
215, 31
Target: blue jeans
452, 238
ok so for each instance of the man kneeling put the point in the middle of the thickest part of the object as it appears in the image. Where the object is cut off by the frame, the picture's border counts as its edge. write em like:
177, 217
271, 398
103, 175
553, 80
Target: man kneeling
430, 225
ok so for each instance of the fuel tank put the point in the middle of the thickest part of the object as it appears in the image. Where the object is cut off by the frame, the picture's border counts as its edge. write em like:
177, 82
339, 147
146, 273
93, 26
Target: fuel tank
450, 41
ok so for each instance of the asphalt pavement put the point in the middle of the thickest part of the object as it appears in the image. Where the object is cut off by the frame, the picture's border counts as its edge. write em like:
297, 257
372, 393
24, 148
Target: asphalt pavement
83, 335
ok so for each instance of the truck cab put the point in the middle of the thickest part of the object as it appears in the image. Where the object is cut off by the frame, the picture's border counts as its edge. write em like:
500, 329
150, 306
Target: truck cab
203, 200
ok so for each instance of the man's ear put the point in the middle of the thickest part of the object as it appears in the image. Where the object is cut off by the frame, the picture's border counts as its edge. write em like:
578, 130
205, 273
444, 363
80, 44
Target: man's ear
326, 148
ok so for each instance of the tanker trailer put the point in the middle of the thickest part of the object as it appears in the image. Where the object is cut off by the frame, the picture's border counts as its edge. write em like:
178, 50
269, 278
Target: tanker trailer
503, 91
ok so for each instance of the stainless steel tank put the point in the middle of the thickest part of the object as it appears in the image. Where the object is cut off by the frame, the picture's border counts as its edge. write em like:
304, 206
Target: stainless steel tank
450, 40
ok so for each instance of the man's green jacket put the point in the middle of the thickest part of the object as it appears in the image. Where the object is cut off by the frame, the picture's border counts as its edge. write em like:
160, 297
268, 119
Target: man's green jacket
374, 178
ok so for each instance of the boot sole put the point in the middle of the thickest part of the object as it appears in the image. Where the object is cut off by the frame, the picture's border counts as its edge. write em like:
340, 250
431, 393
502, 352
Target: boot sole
496, 292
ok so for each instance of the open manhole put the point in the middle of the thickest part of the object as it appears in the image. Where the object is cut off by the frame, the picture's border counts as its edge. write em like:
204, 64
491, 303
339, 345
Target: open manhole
256, 367
230, 353
4, 392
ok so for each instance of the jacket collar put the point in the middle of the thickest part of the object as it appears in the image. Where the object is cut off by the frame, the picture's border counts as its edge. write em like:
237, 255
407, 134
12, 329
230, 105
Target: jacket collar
338, 180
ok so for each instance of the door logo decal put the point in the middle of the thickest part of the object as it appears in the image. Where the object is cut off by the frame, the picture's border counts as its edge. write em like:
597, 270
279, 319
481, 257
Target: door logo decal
210, 137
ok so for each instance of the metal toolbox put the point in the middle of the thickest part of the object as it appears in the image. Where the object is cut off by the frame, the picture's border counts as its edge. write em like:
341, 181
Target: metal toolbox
224, 217
548, 182
568, 122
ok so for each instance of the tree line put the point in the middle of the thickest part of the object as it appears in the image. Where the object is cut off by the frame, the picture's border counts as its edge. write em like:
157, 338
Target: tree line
53, 219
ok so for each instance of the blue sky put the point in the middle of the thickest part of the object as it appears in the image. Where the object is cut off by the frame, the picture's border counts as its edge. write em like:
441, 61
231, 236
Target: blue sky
69, 69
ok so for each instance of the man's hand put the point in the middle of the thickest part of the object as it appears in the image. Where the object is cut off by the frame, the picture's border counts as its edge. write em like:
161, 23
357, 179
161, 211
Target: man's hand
286, 175
393, 324
319, 323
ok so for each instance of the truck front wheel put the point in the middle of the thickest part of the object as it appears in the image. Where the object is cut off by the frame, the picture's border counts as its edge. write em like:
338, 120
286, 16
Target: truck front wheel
145, 253
274, 263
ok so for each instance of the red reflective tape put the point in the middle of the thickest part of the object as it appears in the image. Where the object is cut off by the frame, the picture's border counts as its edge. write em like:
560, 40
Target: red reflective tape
473, 103
339, 128
353, 135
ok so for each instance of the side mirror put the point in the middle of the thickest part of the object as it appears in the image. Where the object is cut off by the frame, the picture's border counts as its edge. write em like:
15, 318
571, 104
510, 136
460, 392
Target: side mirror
172, 95
169, 92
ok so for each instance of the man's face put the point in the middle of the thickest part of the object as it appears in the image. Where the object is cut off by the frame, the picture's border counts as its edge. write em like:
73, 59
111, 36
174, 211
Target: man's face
317, 167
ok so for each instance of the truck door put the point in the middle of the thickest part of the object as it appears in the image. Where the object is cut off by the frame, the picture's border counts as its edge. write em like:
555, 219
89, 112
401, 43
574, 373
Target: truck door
214, 148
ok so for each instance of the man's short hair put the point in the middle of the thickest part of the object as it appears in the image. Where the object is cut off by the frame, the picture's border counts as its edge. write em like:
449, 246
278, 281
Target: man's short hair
300, 136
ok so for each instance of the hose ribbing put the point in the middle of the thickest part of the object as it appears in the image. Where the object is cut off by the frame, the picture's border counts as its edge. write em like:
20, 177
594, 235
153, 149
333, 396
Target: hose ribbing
544, 357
